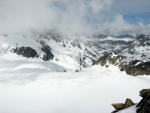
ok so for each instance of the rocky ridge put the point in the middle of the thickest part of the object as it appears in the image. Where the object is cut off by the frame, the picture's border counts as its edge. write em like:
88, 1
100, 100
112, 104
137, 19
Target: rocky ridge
29, 52
134, 68
82, 50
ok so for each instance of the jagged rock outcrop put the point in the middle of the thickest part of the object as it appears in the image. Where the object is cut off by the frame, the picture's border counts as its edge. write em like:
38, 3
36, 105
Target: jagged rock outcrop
144, 104
25, 52
48, 54
134, 68
142, 107
120, 106
108, 58
137, 67
31, 53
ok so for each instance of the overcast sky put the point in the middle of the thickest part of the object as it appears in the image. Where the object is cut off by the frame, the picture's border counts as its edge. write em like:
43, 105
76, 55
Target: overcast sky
76, 16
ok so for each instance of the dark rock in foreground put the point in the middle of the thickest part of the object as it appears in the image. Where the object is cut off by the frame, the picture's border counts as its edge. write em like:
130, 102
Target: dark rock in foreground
120, 106
144, 92
144, 104
142, 107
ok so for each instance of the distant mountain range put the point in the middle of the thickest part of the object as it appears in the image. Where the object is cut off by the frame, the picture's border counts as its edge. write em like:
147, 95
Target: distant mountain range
73, 52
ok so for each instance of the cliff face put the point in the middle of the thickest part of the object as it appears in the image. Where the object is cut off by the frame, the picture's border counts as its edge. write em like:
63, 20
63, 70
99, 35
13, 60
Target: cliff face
134, 68
144, 104
29, 52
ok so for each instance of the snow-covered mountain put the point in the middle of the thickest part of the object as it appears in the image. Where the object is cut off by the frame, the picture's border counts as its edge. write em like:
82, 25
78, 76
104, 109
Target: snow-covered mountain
75, 52
53, 72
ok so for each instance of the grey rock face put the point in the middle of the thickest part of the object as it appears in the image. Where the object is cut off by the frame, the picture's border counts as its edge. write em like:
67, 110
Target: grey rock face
28, 52
144, 104
48, 54
108, 58
137, 68
134, 68
144, 92
25, 52
118, 106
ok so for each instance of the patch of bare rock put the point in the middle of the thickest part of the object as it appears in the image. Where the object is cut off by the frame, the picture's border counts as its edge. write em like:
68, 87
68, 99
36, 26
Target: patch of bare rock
142, 107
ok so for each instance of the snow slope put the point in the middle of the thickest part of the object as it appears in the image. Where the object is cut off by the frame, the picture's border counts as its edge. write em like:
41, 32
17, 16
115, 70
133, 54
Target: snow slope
69, 57
17, 40
29, 86
35, 86
129, 110
75, 52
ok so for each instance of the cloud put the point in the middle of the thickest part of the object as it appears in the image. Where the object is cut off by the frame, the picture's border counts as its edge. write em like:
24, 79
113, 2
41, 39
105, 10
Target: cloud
74, 16
132, 6
119, 25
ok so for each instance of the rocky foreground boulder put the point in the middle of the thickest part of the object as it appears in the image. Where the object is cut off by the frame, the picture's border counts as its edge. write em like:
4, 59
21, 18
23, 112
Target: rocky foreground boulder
144, 104
142, 107
120, 106
134, 68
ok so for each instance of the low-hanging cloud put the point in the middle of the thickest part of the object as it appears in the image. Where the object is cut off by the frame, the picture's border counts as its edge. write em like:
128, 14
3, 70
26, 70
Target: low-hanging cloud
75, 16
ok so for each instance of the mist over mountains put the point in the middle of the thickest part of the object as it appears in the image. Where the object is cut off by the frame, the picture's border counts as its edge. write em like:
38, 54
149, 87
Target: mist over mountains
69, 16
74, 56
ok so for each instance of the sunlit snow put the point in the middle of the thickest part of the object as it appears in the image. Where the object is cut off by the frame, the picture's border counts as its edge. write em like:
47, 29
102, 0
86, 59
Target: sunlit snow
29, 86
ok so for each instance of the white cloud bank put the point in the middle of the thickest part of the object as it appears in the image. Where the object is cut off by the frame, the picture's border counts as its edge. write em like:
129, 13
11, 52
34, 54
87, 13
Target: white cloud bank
77, 16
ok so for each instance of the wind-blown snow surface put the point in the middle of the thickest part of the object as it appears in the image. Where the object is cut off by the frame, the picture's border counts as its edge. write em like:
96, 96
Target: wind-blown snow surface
36, 86
131, 109
28, 86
